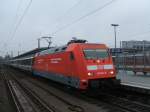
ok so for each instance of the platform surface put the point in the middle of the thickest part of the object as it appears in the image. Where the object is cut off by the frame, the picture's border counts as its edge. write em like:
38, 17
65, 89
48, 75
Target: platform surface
130, 79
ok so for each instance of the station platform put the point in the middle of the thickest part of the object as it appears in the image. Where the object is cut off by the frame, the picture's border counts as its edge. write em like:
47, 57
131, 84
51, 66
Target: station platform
128, 78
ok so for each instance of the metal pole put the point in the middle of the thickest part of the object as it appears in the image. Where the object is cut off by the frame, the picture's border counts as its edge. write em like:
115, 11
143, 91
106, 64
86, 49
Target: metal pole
38, 43
144, 57
116, 52
115, 36
115, 25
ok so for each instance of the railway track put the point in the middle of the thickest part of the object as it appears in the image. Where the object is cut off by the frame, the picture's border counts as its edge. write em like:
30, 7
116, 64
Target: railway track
6, 98
25, 100
124, 104
71, 107
18, 107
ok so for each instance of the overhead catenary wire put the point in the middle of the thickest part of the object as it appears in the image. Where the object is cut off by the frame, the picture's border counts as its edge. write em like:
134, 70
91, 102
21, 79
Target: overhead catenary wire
21, 19
16, 16
19, 22
82, 17
75, 5
14, 21
66, 12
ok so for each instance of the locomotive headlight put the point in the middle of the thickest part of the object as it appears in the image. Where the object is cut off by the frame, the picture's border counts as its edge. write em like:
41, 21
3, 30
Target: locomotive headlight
98, 61
111, 72
90, 74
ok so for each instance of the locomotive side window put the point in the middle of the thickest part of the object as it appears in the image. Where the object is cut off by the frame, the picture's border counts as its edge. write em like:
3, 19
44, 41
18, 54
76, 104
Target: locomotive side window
71, 56
95, 53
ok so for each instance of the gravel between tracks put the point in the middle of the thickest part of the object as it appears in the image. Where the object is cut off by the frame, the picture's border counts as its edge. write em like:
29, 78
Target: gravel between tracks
6, 103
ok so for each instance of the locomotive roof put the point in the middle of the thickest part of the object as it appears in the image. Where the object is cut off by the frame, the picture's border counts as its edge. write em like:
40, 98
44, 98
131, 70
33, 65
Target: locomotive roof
63, 48
53, 50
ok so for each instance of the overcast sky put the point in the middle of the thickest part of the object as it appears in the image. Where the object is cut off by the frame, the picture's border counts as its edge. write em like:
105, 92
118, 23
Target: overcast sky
47, 16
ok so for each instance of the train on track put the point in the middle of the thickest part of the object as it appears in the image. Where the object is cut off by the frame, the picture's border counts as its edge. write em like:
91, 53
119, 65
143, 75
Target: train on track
139, 62
78, 64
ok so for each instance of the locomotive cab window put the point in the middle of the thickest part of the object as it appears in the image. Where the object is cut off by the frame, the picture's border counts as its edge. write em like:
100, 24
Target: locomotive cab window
96, 53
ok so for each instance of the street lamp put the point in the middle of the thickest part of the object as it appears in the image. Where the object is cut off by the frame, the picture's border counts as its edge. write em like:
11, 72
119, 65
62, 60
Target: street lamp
115, 25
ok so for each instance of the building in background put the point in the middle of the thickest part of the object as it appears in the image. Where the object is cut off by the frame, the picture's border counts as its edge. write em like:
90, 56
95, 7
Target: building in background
138, 45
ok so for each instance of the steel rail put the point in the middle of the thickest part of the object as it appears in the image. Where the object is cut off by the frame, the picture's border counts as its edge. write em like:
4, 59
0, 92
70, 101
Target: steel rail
124, 103
18, 107
42, 106
72, 107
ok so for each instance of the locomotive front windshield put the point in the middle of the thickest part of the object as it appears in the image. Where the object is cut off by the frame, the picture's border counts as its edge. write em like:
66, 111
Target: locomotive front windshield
95, 53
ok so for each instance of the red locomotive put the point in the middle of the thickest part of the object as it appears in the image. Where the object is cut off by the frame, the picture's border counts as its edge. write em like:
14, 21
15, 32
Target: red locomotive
77, 64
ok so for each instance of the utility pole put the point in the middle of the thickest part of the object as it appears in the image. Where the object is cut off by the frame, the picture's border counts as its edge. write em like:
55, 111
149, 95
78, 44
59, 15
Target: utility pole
115, 25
